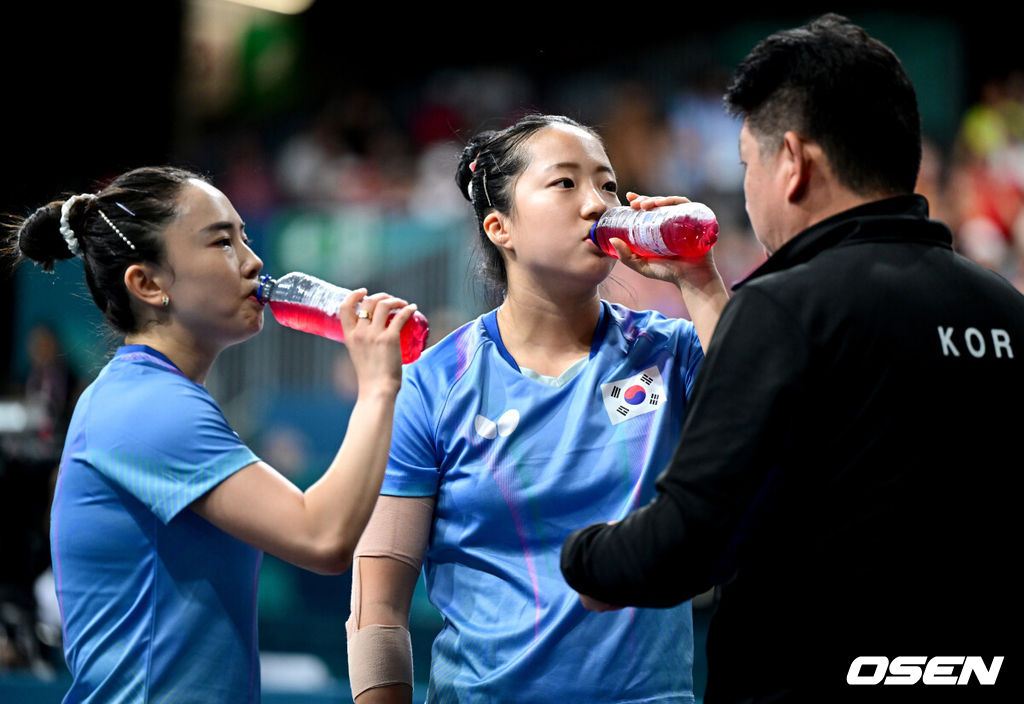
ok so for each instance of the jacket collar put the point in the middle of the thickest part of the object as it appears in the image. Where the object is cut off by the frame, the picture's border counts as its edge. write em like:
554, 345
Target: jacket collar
872, 221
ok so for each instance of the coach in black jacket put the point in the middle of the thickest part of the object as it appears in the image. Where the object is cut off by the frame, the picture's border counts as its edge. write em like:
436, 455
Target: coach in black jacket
846, 467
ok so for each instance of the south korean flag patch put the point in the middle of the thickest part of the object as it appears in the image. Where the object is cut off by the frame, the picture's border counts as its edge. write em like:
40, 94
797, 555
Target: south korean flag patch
628, 398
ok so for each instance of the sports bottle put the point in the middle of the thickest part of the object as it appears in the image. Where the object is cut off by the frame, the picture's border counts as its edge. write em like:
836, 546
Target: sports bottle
309, 304
683, 230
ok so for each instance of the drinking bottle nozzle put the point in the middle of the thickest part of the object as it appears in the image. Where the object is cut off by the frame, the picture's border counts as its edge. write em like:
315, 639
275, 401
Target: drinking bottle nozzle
266, 282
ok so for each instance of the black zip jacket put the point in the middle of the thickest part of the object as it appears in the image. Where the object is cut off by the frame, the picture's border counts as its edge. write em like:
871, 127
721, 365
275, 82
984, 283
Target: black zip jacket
845, 470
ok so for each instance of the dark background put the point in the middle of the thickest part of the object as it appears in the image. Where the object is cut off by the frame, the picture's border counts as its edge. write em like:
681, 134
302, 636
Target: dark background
90, 89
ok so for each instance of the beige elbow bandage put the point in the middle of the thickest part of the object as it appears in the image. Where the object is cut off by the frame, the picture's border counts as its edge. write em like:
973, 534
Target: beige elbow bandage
399, 529
381, 654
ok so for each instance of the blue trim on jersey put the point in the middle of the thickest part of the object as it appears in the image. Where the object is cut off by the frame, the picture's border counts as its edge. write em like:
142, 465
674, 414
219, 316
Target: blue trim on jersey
490, 322
145, 353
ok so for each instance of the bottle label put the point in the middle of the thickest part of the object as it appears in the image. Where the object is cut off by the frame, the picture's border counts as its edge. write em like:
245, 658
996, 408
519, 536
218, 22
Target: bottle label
648, 235
309, 292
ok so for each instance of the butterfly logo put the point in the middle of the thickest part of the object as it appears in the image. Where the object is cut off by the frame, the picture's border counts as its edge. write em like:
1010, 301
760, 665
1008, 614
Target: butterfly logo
487, 428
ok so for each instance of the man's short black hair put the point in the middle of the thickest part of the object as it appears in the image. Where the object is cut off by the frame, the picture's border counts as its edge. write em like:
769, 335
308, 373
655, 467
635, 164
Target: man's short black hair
831, 82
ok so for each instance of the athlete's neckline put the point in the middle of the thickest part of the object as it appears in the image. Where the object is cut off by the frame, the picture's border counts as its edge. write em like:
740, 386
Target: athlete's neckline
136, 352
490, 321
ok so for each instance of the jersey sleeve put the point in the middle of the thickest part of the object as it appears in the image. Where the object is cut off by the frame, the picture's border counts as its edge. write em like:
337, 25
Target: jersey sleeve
413, 467
166, 443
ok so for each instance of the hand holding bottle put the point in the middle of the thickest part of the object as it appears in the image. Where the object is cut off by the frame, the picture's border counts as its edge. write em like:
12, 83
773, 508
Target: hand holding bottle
676, 270
701, 286
658, 227
306, 303
373, 338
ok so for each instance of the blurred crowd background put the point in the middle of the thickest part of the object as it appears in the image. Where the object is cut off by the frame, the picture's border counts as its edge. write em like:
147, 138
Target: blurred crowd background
336, 132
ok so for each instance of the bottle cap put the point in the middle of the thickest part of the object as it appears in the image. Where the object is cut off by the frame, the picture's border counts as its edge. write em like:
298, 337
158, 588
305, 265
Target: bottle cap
265, 281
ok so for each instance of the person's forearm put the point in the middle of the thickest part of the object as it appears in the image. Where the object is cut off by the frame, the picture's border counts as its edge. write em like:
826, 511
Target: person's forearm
641, 561
379, 644
704, 295
317, 529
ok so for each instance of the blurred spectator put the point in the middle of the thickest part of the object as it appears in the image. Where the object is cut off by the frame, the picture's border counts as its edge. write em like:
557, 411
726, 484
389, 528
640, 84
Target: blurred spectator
434, 194
344, 154
308, 163
988, 178
248, 176
286, 448
705, 157
29, 453
343, 378
471, 97
51, 383
932, 183
639, 143
996, 121
384, 175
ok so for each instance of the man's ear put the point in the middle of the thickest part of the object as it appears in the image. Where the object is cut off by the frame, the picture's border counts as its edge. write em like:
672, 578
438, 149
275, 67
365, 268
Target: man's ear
496, 227
798, 158
143, 282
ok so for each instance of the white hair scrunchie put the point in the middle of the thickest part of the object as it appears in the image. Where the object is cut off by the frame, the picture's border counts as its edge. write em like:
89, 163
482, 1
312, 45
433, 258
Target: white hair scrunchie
65, 224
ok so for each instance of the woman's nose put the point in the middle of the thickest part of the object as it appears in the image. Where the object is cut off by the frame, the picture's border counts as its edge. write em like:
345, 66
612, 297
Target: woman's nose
595, 203
252, 265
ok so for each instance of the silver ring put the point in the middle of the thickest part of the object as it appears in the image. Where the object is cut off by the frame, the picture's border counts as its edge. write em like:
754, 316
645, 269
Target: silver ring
364, 314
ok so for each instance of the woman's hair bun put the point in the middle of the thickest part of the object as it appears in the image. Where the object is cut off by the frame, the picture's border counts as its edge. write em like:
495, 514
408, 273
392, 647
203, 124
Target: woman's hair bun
40, 239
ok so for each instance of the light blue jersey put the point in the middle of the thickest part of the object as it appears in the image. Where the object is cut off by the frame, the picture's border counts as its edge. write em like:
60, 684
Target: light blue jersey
157, 604
517, 463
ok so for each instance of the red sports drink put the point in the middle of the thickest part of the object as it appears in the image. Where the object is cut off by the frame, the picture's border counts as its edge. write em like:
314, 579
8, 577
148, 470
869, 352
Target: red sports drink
309, 304
684, 230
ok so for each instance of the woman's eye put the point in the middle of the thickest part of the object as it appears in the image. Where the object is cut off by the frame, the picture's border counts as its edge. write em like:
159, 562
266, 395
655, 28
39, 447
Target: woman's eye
611, 186
565, 183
